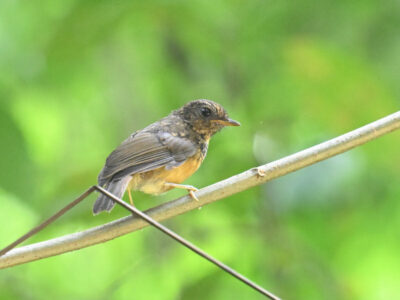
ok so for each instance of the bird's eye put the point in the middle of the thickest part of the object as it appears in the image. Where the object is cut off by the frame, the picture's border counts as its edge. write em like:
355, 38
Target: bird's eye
205, 112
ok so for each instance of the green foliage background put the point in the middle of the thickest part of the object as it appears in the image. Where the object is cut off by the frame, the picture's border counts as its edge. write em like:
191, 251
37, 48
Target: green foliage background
77, 77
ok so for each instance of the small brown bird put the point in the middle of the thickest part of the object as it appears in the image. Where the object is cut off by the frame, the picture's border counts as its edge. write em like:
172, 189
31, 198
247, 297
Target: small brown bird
162, 155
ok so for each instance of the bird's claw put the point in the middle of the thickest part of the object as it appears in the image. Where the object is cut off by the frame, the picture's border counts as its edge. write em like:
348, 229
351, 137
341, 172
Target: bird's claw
191, 193
191, 189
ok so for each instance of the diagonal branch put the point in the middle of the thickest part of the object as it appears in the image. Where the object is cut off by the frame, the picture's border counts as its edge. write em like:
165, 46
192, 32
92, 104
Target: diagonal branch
209, 194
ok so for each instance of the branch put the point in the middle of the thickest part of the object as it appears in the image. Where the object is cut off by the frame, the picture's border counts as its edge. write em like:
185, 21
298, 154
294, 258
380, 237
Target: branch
209, 194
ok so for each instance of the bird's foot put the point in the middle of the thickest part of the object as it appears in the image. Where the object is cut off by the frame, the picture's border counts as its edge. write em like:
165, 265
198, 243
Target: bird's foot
191, 189
192, 194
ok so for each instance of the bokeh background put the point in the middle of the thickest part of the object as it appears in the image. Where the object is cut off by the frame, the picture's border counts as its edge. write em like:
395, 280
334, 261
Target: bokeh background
77, 77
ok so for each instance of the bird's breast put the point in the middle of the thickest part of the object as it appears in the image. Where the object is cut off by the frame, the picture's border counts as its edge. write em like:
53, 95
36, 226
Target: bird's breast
153, 182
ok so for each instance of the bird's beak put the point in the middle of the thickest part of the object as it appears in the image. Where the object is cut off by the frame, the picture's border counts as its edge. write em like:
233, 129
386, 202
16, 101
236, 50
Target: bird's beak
227, 122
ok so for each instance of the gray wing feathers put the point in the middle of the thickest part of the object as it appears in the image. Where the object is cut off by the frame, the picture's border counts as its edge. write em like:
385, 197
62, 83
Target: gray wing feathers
179, 148
141, 152
136, 151
146, 151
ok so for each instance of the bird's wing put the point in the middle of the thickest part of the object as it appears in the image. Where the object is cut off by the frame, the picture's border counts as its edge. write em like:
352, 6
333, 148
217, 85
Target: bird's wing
146, 151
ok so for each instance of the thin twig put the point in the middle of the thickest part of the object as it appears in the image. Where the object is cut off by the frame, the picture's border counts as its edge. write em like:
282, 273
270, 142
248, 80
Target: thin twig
217, 191
47, 222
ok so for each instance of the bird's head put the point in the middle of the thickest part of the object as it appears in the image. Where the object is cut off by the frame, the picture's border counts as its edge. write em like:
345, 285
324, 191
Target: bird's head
206, 117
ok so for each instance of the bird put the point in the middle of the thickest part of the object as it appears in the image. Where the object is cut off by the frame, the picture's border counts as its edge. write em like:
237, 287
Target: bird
161, 156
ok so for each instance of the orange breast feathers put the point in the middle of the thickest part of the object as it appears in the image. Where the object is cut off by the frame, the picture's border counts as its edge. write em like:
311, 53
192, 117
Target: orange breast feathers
152, 182
184, 171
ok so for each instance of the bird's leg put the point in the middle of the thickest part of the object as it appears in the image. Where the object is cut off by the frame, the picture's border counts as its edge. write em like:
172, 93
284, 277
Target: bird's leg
191, 189
130, 197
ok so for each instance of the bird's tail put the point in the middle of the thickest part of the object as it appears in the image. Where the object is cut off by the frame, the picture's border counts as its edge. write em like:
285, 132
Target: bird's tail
115, 187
